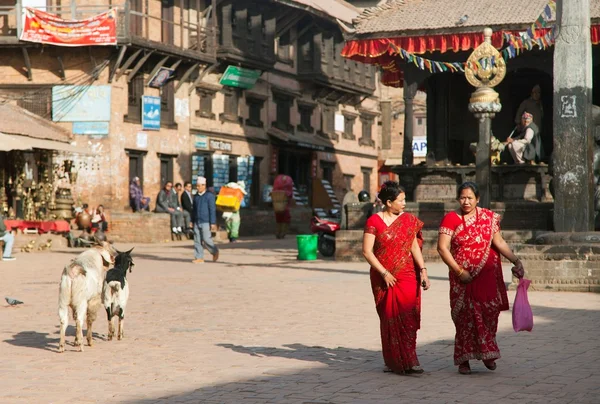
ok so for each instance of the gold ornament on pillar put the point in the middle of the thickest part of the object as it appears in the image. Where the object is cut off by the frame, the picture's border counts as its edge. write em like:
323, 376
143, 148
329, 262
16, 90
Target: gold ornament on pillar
485, 69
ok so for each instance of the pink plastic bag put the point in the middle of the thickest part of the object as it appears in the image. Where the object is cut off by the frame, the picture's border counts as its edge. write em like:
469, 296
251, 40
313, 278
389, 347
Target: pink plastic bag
522, 316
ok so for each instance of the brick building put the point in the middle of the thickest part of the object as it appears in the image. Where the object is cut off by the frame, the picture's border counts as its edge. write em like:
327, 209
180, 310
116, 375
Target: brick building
305, 111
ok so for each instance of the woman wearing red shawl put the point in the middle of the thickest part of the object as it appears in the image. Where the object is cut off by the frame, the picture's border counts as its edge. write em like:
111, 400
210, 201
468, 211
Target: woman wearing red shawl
286, 184
392, 246
470, 244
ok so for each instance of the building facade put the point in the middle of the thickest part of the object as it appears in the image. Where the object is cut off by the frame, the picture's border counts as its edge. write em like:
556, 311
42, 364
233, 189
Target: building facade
226, 89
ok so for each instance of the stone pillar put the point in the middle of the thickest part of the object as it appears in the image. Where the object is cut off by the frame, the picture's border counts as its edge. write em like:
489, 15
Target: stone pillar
410, 90
483, 159
573, 139
485, 69
386, 125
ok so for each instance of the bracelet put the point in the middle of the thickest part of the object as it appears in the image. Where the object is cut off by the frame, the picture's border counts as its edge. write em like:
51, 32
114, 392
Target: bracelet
423, 269
461, 272
384, 273
515, 261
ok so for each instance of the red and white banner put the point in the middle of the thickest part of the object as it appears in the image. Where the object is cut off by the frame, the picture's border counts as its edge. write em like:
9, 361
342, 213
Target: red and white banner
42, 27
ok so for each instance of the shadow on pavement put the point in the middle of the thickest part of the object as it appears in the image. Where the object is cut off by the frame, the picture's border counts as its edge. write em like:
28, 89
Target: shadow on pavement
34, 339
527, 361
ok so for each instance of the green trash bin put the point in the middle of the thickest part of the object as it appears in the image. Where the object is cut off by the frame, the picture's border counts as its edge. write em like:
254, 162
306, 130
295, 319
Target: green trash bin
307, 246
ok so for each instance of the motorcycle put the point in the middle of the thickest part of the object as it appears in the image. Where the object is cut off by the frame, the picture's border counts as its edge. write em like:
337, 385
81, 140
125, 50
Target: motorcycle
326, 229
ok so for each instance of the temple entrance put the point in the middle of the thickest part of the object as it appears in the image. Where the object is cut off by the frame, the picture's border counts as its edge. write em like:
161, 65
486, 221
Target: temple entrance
450, 122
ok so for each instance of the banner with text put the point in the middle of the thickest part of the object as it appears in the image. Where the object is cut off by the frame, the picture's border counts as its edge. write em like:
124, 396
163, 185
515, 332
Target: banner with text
42, 27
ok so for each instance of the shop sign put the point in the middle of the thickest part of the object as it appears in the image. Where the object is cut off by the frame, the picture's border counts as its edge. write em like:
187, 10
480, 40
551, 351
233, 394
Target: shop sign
419, 146
201, 142
81, 103
42, 27
90, 128
310, 146
150, 112
239, 77
142, 140
220, 145
274, 159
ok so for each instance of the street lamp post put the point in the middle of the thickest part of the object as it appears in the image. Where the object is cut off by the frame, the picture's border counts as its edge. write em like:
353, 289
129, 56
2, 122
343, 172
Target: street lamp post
484, 70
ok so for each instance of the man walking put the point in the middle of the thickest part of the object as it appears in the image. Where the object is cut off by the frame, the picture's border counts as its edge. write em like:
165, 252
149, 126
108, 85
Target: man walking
205, 220
167, 202
8, 239
187, 204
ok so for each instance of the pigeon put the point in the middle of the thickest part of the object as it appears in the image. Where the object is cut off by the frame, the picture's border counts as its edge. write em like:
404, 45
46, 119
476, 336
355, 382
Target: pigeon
462, 20
12, 302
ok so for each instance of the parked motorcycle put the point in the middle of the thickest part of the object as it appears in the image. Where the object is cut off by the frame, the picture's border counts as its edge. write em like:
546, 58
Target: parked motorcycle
326, 229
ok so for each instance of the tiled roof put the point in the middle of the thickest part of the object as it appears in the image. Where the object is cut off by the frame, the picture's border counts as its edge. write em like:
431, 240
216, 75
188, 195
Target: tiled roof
15, 120
418, 17
333, 9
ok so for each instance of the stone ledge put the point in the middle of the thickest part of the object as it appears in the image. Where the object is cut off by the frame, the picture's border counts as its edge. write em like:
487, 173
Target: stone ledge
144, 227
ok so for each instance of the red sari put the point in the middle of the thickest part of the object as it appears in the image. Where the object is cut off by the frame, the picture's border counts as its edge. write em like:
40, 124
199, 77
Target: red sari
476, 306
399, 307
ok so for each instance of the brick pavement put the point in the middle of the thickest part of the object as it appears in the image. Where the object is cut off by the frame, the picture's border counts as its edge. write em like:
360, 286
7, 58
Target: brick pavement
262, 327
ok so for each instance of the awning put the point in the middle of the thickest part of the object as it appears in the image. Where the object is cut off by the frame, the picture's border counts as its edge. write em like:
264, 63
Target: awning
385, 52
307, 141
17, 142
8, 143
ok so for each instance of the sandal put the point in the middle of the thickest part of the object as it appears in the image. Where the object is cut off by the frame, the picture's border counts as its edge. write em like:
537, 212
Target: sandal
415, 370
490, 364
464, 368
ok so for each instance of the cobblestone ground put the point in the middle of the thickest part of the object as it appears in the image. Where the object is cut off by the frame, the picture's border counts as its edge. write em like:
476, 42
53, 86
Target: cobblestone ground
261, 327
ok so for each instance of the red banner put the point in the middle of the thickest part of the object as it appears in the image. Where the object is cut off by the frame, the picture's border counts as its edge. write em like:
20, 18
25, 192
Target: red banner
42, 27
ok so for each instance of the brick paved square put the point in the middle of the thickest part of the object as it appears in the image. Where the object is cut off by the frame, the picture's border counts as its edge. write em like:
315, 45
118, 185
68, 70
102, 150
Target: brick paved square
261, 327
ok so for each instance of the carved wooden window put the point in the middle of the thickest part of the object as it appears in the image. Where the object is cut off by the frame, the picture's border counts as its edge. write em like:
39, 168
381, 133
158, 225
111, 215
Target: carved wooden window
366, 172
135, 90
167, 104
206, 104
306, 112
284, 48
284, 104
367, 126
349, 127
328, 120
255, 106
231, 105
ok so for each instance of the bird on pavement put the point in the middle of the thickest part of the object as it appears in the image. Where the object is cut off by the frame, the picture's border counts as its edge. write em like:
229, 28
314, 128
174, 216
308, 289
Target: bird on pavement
12, 302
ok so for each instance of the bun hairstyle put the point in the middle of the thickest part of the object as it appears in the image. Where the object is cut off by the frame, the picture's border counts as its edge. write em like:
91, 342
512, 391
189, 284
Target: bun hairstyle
389, 191
468, 185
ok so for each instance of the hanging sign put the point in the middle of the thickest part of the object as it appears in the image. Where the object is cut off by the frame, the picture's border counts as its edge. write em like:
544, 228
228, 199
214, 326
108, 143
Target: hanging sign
239, 77
150, 112
42, 27
161, 77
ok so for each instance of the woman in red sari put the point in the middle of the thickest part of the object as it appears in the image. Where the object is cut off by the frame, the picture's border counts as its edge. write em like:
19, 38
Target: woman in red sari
470, 244
392, 246
284, 183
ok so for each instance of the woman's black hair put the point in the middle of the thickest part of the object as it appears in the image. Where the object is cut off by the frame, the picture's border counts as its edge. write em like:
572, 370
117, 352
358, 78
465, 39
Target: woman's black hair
468, 185
389, 191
